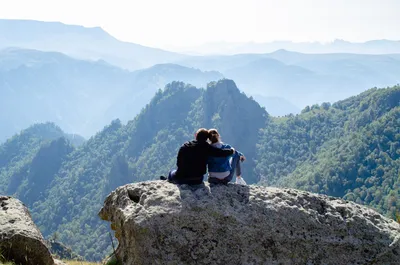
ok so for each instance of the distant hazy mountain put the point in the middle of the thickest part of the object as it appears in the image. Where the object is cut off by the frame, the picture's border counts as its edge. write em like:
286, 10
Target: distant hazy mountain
300, 78
304, 78
80, 96
337, 46
147, 81
80, 42
276, 106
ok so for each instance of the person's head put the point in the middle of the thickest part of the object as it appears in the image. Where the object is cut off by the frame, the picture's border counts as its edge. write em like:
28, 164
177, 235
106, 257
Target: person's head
213, 135
201, 135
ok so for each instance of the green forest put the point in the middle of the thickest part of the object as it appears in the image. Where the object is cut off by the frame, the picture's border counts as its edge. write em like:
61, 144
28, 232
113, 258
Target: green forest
349, 149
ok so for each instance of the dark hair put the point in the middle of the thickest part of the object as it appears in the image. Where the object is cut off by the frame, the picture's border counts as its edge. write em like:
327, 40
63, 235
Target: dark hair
202, 135
213, 135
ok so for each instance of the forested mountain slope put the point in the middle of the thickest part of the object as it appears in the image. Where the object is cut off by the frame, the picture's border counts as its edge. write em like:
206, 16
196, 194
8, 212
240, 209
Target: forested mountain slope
348, 150
79, 96
143, 149
29, 160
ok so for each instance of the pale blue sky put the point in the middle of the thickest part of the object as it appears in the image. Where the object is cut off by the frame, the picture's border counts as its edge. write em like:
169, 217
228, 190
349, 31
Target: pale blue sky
166, 23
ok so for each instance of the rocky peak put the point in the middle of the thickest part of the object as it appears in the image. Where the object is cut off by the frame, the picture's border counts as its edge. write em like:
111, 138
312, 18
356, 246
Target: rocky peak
161, 223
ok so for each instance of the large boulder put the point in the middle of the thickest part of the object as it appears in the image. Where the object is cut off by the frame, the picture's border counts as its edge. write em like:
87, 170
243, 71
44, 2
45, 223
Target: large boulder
161, 223
20, 239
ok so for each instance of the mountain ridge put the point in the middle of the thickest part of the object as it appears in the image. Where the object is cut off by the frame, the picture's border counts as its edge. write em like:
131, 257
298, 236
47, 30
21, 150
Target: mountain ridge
80, 42
331, 77
37, 86
304, 79
380, 46
276, 149
145, 146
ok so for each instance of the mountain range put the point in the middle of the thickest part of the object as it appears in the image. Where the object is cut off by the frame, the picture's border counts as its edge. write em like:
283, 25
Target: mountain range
80, 96
336, 46
288, 80
80, 42
70, 193
349, 149
304, 79
294, 115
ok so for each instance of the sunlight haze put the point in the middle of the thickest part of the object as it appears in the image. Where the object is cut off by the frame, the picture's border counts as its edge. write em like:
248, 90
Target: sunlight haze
183, 23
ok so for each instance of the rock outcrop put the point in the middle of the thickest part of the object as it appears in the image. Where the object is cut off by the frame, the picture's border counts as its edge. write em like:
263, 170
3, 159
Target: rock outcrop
61, 251
20, 239
161, 223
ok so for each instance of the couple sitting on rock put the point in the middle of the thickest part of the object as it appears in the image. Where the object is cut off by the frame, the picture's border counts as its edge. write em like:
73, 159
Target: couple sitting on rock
194, 157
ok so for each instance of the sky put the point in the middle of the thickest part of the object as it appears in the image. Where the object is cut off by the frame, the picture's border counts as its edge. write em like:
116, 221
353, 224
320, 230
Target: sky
185, 23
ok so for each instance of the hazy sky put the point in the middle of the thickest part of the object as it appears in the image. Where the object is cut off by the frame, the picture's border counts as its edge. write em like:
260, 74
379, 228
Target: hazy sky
166, 23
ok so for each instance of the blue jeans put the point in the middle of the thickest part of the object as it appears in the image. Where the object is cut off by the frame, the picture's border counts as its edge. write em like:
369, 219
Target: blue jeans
171, 176
190, 181
236, 167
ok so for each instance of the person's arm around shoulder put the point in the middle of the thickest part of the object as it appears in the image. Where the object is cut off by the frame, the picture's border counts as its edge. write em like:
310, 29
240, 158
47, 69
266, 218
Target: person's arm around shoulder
241, 155
217, 152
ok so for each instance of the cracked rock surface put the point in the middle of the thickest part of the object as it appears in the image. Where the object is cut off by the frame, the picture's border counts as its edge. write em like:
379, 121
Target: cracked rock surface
161, 223
20, 239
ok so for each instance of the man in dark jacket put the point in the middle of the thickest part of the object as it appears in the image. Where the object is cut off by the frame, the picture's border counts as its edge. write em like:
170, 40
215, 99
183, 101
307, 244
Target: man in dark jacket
192, 159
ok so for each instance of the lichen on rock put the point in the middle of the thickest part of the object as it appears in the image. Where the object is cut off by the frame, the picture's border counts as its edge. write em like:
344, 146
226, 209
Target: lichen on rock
162, 223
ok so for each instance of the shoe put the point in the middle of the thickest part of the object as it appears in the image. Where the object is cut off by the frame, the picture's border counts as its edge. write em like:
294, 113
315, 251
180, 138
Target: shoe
163, 178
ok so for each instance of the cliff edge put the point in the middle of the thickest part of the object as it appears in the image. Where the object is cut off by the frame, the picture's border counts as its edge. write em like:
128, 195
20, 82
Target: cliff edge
161, 223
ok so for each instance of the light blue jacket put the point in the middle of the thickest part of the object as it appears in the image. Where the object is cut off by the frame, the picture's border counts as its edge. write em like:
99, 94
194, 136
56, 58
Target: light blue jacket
221, 164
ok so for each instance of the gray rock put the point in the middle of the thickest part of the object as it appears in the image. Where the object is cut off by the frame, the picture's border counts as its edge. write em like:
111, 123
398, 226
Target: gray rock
20, 239
161, 223
59, 262
59, 250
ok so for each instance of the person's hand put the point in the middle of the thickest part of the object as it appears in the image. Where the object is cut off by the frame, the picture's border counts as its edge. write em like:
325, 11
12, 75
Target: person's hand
242, 158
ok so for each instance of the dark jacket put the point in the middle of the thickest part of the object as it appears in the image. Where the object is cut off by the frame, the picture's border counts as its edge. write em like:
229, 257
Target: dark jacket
192, 161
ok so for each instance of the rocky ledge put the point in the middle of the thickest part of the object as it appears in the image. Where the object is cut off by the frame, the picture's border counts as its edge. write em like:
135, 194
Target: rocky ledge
161, 223
20, 239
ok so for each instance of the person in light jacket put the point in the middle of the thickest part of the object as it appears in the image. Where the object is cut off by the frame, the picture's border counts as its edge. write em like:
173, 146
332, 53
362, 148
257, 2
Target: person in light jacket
222, 169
